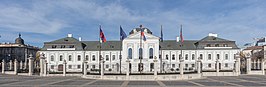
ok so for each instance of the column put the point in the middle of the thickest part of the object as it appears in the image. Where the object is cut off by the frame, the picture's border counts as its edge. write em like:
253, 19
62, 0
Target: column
262, 67
42, 64
45, 68
248, 65
128, 62
181, 66
3, 66
16, 67
217, 67
21, 65
10, 65
155, 66
85, 68
199, 66
64, 68
238, 65
30, 65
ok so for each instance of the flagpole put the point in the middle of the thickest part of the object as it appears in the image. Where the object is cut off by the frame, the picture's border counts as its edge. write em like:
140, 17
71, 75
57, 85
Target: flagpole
120, 56
140, 56
161, 50
100, 42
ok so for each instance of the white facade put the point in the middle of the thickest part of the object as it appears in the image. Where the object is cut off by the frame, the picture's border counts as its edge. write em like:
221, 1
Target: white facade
111, 58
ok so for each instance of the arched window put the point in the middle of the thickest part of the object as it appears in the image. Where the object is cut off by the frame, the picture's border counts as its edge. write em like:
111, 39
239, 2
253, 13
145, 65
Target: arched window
173, 57
69, 58
226, 56
186, 57
79, 57
93, 58
193, 56
107, 57
60, 58
151, 53
87, 57
52, 58
130, 53
209, 56
166, 56
140, 53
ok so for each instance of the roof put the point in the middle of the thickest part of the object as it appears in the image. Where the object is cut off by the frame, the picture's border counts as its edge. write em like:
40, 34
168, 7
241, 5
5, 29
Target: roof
254, 48
212, 38
174, 45
108, 45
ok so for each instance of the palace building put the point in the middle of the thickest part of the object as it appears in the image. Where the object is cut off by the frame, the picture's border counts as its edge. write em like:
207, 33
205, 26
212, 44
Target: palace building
140, 54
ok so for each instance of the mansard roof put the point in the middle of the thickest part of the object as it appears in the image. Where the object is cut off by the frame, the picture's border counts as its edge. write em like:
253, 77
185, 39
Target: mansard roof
108, 45
174, 45
212, 38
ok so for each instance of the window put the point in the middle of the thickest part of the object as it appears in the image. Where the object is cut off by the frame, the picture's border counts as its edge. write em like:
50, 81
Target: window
106, 66
71, 46
193, 56
52, 66
93, 57
218, 56
63, 46
209, 65
69, 66
173, 65
201, 56
78, 66
216, 45
225, 45
52, 58
226, 56
93, 66
208, 45
209, 56
107, 57
113, 57
186, 65
130, 53
60, 58
86, 57
140, 53
69, 58
79, 57
186, 57
166, 57
53, 46
173, 57
226, 64
192, 65
151, 53
180, 56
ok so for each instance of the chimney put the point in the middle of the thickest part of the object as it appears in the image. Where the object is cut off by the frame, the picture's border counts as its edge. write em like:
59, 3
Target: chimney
177, 39
213, 34
80, 39
69, 35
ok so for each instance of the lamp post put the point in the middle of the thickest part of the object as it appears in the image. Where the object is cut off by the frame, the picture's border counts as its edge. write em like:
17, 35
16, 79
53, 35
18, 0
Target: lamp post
155, 67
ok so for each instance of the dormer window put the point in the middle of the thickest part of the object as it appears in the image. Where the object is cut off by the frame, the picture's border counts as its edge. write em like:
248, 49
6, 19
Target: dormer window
63, 46
53, 46
225, 45
71, 46
216, 45
208, 45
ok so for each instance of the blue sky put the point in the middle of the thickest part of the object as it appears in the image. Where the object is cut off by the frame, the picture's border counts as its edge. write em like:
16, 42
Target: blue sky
46, 20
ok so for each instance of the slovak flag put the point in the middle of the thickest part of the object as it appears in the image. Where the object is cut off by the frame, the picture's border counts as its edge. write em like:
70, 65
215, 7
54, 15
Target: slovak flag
142, 34
102, 38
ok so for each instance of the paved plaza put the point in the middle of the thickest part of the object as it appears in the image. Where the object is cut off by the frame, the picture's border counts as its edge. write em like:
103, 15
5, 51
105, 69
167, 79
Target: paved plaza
29, 81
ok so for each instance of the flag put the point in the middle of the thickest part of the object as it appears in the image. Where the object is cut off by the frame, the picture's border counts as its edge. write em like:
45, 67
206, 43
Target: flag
181, 36
102, 38
142, 34
161, 33
123, 35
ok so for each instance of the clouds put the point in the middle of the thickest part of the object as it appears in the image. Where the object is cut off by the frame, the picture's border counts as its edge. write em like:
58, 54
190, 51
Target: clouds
51, 20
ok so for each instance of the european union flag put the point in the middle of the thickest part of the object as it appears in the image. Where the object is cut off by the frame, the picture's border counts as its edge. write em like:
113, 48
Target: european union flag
123, 35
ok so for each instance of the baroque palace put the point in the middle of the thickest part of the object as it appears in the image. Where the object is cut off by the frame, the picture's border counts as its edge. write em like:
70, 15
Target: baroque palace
140, 54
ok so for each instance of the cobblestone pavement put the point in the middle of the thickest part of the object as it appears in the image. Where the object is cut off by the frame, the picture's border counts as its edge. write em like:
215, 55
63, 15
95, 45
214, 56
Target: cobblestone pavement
33, 81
